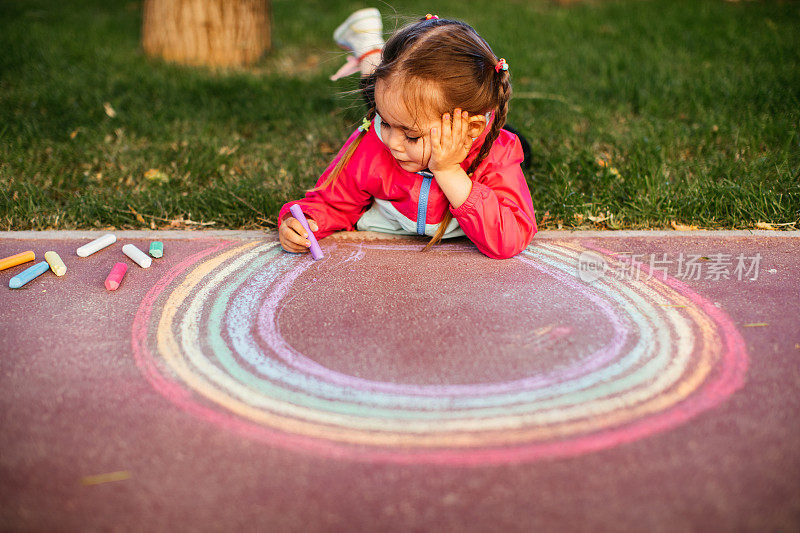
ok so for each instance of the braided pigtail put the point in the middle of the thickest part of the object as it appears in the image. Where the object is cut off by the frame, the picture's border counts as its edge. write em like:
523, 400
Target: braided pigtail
501, 112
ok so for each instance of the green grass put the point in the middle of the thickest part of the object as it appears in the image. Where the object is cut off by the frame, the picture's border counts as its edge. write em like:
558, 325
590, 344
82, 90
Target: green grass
695, 106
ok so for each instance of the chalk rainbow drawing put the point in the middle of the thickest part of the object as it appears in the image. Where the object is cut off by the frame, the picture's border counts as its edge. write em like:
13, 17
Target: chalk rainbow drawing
206, 336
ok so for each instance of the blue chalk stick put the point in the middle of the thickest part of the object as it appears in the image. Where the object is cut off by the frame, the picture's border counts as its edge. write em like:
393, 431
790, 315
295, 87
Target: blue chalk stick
28, 274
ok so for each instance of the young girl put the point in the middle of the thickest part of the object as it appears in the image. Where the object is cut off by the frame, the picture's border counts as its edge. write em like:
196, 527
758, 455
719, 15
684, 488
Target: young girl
432, 157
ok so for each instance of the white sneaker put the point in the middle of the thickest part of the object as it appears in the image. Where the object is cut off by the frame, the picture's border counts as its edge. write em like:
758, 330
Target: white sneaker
361, 33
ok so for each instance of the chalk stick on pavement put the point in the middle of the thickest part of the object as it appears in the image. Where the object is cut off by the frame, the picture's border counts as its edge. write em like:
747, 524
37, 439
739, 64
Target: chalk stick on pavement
98, 244
316, 251
28, 274
138, 256
56, 264
16, 259
115, 276
157, 248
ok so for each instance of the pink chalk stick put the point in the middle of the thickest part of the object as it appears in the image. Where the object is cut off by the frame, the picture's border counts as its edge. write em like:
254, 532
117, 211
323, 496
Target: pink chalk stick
316, 251
115, 276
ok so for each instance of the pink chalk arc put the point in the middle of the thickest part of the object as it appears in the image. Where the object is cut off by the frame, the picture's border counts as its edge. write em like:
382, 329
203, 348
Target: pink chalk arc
727, 376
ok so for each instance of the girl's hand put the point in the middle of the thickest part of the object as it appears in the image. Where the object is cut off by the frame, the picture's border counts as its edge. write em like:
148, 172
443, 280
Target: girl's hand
293, 236
450, 144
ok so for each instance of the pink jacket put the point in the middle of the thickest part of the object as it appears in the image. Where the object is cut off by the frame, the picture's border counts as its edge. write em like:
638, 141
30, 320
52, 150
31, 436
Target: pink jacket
497, 216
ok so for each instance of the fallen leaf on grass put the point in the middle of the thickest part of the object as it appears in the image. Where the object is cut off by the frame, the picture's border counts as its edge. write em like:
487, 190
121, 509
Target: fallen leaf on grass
181, 222
601, 217
156, 176
227, 150
109, 110
682, 227
764, 225
139, 218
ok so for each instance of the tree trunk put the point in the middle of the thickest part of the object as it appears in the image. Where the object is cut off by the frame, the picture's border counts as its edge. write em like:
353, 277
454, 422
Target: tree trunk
206, 32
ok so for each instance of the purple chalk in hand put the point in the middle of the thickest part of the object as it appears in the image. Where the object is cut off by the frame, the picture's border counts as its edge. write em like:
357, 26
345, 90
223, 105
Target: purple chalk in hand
316, 251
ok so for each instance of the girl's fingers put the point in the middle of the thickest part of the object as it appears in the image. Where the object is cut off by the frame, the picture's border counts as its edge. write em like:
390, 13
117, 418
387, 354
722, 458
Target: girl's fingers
291, 247
293, 236
436, 144
456, 125
446, 129
291, 244
464, 125
457, 133
286, 236
298, 236
466, 141
298, 227
294, 248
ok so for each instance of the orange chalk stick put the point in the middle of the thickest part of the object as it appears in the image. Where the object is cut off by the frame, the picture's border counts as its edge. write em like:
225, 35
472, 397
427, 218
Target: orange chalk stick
15, 260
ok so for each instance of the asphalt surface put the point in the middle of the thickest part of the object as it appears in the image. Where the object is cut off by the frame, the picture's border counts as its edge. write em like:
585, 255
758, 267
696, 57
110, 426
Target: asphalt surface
597, 381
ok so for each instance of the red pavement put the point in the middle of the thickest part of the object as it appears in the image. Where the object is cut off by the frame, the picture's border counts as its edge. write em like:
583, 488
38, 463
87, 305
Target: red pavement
81, 395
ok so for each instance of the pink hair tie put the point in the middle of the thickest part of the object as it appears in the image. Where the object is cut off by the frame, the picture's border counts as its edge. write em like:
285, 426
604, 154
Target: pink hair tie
501, 65
429, 16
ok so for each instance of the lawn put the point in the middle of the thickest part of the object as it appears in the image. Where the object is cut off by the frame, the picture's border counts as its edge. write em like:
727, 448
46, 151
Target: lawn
640, 114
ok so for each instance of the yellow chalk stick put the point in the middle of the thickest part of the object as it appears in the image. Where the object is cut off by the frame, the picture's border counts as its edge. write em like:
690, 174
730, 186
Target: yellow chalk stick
120, 475
17, 259
56, 264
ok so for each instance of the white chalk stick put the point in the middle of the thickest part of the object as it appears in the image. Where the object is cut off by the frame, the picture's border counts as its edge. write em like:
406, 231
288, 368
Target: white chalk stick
138, 256
98, 244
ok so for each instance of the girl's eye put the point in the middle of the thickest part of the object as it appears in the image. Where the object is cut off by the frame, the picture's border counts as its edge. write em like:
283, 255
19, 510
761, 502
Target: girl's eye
409, 139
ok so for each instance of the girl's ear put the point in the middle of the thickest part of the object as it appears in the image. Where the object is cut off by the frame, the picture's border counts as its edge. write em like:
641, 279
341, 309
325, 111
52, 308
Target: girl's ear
477, 123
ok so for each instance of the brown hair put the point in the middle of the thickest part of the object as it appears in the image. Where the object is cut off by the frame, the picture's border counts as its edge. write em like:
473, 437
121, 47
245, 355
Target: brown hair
448, 55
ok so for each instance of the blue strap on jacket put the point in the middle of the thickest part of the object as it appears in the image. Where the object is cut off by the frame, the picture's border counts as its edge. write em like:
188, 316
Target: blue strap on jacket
422, 207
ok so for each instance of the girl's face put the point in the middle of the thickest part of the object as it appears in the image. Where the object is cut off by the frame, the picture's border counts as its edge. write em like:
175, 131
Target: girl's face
406, 135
